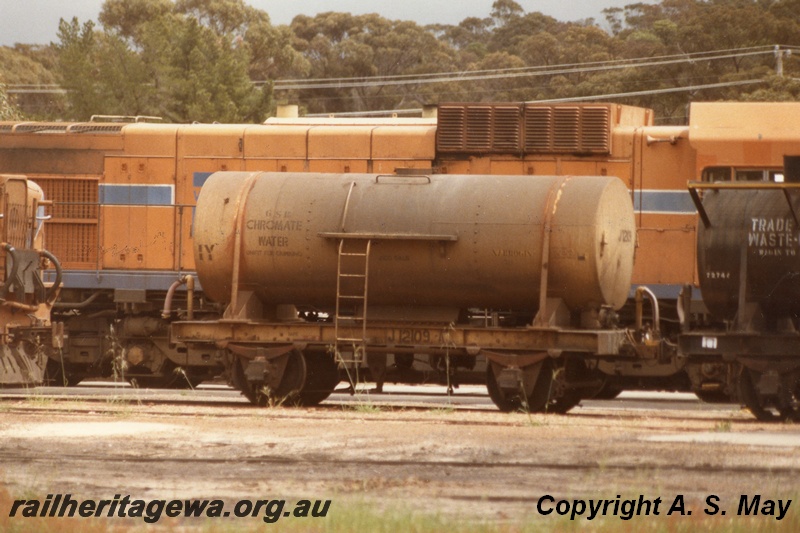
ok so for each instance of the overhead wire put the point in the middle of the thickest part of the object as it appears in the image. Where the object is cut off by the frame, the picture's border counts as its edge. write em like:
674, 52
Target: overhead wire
575, 68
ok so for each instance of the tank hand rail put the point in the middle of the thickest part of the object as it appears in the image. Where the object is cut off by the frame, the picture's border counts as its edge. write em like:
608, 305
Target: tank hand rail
347, 204
405, 179
390, 236
639, 297
187, 280
694, 186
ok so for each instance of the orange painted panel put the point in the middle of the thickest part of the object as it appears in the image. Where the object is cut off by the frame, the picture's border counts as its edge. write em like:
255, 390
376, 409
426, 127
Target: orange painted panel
338, 166
665, 256
150, 139
340, 142
211, 140
407, 142
278, 142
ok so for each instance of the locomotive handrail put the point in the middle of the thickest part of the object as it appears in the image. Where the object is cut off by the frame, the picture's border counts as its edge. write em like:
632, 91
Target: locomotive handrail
12, 274
741, 185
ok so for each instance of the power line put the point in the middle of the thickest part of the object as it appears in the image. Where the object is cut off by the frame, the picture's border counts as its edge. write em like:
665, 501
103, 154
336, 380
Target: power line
688, 56
595, 97
577, 68
647, 92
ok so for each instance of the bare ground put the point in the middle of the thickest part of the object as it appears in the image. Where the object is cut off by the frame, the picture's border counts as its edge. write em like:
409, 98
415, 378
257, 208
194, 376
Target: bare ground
465, 463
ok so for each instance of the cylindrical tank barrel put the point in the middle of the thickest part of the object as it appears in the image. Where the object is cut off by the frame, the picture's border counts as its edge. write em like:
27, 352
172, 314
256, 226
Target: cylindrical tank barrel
440, 240
755, 229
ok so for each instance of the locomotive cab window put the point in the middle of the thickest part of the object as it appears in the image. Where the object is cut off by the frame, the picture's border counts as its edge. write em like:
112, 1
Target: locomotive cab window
714, 174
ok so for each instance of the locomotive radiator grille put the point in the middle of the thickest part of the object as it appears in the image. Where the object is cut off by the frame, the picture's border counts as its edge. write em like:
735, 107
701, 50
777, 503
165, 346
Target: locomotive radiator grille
72, 230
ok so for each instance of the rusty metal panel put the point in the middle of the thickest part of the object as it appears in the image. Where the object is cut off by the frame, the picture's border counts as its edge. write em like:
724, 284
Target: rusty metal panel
595, 130
538, 129
568, 129
451, 132
479, 128
529, 128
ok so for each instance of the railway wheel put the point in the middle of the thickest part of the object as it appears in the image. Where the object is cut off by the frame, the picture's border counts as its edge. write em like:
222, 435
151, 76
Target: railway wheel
504, 401
713, 396
607, 391
322, 376
782, 404
277, 391
550, 392
59, 375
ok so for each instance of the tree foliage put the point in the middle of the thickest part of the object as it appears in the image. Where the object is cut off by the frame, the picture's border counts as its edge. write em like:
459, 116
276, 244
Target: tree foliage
8, 110
217, 60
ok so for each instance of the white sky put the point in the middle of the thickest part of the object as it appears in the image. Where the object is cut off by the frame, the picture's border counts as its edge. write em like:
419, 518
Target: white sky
36, 21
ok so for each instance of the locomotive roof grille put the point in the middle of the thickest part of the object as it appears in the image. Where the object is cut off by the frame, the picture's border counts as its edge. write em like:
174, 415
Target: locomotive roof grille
40, 127
96, 128
60, 128
524, 129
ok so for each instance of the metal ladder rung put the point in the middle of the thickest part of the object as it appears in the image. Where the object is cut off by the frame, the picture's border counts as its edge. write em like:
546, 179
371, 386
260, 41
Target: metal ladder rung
352, 325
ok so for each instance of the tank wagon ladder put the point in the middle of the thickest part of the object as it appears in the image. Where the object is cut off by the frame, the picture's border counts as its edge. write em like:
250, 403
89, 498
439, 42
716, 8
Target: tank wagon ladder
352, 285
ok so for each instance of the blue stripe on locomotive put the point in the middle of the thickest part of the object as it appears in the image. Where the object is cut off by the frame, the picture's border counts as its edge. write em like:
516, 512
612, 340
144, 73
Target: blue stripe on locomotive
668, 202
115, 194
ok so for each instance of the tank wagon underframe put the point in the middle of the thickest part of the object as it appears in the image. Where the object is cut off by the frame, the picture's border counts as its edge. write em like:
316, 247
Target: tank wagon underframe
525, 364
513, 344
